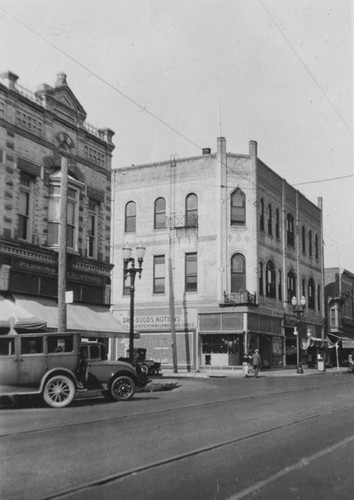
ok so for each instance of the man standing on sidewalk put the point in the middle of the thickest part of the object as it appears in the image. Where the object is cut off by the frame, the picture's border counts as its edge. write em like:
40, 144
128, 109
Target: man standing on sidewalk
256, 362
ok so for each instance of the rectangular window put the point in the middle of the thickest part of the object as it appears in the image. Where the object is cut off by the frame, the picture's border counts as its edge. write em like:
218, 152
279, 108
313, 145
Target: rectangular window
7, 347
191, 272
54, 217
25, 209
159, 274
92, 229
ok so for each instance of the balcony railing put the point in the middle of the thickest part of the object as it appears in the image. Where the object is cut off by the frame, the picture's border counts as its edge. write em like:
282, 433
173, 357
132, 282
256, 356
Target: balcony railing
239, 299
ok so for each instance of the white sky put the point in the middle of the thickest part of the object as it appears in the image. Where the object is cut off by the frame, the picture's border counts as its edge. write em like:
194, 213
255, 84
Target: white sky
281, 69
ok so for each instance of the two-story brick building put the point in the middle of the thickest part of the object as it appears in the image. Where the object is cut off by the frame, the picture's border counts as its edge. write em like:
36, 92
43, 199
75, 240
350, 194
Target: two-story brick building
38, 129
234, 242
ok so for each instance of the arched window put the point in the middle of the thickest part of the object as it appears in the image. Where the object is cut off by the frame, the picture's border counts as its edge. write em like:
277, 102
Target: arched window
291, 285
192, 210
310, 242
261, 214
311, 294
290, 229
160, 213
277, 223
238, 208
303, 239
270, 280
238, 273
270, 222
130, 217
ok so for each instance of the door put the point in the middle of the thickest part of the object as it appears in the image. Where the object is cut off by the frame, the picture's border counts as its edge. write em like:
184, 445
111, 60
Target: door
8, 362
32, 362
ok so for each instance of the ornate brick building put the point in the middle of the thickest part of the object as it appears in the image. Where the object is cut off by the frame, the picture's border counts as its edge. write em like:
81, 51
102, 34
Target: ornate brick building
37, 129
235, 241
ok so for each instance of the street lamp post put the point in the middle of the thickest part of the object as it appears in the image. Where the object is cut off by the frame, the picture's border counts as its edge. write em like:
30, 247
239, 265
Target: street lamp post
130, 270
299, 311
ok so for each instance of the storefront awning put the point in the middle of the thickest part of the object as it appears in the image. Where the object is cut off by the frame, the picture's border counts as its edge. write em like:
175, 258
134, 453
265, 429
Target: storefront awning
95, 320
12, 313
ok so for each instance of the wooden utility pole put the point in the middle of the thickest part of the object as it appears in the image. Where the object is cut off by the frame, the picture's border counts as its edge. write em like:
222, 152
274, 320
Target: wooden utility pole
62, 246
172, 316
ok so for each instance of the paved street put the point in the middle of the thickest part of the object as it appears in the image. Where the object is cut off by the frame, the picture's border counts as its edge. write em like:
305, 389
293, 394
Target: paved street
286, 437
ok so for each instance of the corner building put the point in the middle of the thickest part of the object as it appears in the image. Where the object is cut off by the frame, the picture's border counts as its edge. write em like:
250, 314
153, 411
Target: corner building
38, 129
234, 242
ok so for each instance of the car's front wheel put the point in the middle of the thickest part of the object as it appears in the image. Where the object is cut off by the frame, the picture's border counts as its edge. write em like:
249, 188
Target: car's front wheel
59, 391
122, 388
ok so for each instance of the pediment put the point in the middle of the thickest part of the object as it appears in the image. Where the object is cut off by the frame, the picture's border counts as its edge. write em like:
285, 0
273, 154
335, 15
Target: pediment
66, 97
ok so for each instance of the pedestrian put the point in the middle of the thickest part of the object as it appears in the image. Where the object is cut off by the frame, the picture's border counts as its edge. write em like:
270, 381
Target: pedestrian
256, 362
246, 364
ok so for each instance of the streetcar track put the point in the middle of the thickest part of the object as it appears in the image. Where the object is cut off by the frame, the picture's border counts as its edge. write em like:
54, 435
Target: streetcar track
177, 458
153, 412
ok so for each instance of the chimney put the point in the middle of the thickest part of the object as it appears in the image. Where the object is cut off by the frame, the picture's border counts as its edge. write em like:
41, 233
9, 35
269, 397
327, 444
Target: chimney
253, 148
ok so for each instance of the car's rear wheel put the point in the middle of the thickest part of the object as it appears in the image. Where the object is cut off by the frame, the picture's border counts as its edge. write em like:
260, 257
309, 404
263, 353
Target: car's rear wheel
59, 391
122, 388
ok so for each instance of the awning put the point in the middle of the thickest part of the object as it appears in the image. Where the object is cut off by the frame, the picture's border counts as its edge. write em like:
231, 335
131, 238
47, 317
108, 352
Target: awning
93, 320
12, 313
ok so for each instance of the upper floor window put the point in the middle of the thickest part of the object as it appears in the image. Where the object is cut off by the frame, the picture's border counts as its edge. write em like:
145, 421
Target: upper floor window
238, 208
270, 280
192, 210
290, 229
261, 214
270, 222
291, 282
316, 246
238, 273
160, 213
159, 274
310, 242
72, 213
191, 272
303, 239
277, 223
318, 298
130, 217
280, 285
25, 207
333, 317
92, 229
260, 283
311, 294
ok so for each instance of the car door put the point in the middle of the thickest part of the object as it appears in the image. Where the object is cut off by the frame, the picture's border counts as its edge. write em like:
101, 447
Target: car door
8, 361
32, 362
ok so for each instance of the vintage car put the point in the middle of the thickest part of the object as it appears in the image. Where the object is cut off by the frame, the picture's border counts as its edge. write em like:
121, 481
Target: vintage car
58, 365
148, 366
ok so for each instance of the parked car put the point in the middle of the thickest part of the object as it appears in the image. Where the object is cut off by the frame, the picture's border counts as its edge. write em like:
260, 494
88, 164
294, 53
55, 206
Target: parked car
57, 365
148, 366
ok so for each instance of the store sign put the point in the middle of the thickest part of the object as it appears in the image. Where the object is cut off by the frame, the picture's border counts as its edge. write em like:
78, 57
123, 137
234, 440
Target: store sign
158, 320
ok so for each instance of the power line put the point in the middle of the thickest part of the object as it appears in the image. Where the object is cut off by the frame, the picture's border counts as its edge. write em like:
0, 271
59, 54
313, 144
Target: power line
76, 61
323, 180
308, 71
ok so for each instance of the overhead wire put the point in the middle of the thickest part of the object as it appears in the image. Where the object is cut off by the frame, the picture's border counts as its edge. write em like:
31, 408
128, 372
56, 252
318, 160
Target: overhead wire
163, 122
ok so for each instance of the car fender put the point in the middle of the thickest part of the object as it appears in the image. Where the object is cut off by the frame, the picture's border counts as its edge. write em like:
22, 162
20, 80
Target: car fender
56, 371
119, 373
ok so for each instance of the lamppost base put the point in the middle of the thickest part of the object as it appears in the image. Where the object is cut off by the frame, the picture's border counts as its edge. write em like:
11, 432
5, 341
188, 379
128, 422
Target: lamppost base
299, 369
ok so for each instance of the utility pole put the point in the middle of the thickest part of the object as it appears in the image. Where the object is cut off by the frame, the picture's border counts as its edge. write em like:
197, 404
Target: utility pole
171, 226
62, 246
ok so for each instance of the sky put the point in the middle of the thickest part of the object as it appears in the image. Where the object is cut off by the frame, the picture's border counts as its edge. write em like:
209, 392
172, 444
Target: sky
170, 76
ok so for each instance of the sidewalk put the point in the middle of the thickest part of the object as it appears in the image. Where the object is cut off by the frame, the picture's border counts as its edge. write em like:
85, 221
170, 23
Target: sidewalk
237, 372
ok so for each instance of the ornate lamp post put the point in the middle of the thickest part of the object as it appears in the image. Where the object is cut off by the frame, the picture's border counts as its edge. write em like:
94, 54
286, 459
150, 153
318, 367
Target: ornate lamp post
130, 270
299, 311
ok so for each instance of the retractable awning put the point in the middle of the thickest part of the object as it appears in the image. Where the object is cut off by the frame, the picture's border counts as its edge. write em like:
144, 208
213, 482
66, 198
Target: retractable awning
12, 313
93, 320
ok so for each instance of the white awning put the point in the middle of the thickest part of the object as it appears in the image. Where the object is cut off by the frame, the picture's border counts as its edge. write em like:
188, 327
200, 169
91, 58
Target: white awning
93, 320
12, 313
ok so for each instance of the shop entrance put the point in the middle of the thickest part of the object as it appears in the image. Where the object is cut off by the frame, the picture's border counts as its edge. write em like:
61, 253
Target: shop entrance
221, 350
